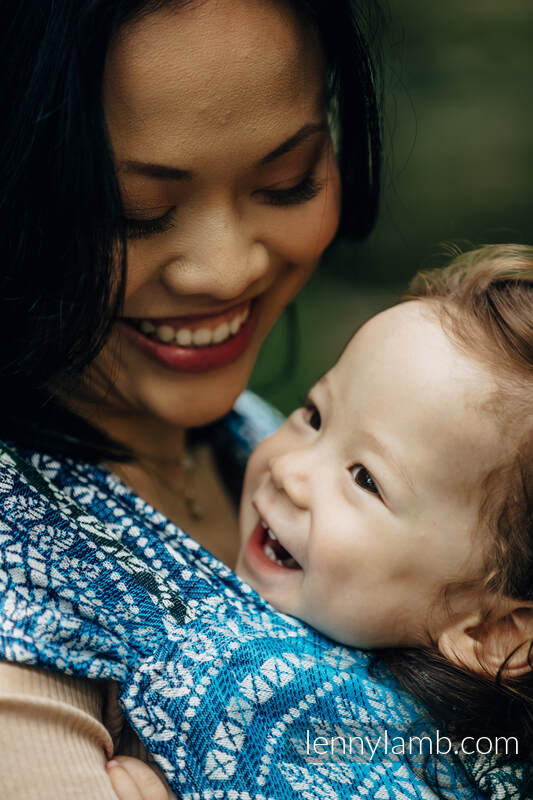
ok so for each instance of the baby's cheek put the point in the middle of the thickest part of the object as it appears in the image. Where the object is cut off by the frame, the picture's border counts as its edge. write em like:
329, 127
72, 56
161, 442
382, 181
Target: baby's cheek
245, 508
255, 470
323, 582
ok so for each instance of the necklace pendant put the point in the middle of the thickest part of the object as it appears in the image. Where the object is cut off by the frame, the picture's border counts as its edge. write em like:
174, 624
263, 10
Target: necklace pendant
195, 510
187, 464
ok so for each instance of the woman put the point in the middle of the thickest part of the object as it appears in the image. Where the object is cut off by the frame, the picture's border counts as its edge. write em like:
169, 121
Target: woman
170, 182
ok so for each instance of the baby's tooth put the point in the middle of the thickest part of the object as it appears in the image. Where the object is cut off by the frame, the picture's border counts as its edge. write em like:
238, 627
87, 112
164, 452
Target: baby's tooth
147, 327
165, 333
270, 553
235, 324
184, 337
271, 535
202, 336
221, 333
244, 315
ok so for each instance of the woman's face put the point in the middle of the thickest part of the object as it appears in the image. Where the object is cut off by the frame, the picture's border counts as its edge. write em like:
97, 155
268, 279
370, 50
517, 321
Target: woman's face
219, 133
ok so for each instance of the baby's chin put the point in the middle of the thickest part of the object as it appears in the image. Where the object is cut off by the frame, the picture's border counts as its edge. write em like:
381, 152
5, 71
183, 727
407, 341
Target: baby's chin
245, 575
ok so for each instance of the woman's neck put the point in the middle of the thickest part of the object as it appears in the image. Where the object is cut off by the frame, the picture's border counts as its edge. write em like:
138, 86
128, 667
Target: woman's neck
149, 438
183, 486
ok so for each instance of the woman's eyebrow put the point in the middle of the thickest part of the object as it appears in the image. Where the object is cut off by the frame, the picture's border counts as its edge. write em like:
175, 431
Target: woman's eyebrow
294, 141
164, 172
159, 171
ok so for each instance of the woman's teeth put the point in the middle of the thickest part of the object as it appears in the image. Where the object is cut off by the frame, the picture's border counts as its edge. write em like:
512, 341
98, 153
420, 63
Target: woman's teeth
201, 337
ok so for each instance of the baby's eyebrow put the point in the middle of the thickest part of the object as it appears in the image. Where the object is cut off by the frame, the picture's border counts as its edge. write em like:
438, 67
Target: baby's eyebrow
376, 444
387, 456
323, 383
317, 388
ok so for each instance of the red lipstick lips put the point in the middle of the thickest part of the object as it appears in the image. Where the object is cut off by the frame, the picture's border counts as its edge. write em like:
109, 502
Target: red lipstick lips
193, 359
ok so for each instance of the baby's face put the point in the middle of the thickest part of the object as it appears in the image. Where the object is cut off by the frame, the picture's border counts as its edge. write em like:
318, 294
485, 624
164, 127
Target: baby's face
372, 491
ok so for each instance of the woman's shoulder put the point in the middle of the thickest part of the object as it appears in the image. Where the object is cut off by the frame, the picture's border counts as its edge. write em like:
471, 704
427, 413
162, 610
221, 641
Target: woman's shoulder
86, 567
250, 420
253, 418
58, 576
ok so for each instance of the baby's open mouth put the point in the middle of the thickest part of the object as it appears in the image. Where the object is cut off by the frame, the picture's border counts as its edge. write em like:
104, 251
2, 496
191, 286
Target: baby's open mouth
275, 551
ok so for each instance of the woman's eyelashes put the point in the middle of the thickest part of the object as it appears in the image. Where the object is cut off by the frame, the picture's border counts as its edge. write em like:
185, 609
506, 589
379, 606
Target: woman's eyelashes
364, 479
303, 192
144, 228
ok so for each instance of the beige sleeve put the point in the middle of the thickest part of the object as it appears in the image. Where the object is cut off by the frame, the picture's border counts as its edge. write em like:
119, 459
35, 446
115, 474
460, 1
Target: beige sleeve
53, 742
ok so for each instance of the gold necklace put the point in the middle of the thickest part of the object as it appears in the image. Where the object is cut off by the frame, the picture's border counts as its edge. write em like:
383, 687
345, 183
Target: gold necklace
194, 508
186, 491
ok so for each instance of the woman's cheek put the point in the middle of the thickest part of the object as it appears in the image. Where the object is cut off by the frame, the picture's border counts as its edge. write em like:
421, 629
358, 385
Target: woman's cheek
327, 213
302, 233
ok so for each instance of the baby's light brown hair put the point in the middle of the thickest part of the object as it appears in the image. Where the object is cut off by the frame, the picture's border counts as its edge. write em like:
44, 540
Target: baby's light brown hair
484, 301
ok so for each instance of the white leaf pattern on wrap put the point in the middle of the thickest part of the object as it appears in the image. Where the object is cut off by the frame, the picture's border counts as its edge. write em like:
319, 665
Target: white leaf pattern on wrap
220, 687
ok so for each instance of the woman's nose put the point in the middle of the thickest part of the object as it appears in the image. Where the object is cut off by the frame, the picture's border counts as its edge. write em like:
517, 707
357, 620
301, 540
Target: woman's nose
290, 474
219, 256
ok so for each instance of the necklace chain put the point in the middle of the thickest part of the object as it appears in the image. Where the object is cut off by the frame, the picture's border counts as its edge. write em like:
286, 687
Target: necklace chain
186, 491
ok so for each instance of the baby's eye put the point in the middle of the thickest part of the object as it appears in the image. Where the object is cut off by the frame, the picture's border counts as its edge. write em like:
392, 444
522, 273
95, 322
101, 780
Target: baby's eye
312, 415
363, 478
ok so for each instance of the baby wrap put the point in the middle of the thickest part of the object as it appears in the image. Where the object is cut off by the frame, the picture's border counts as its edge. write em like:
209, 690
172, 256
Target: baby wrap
228, 695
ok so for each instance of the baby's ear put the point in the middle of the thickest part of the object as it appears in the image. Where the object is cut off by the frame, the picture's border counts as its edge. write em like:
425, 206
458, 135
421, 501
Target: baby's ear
483, 645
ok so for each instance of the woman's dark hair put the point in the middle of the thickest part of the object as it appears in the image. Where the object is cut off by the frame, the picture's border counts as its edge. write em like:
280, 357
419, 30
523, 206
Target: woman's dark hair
484, 302
60, 208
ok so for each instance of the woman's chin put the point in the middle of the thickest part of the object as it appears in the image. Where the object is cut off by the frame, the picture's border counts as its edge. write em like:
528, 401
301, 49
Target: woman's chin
143, 388
186, 407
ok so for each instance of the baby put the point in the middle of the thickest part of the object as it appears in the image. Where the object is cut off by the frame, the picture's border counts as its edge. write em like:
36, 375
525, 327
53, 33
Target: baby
395, 509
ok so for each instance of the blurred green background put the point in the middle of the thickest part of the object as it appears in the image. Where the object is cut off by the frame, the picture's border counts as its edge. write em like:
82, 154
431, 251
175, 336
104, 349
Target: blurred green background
458, 166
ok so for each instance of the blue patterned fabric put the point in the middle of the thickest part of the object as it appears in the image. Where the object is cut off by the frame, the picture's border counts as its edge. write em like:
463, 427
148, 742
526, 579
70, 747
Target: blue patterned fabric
227, 694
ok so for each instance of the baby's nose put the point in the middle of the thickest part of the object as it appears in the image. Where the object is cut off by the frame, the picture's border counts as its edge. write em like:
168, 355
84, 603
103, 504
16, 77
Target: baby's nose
290, 475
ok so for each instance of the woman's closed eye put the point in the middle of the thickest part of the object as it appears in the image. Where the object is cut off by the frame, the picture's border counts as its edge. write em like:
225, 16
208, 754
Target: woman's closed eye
302, 192
144, 228
364, 479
